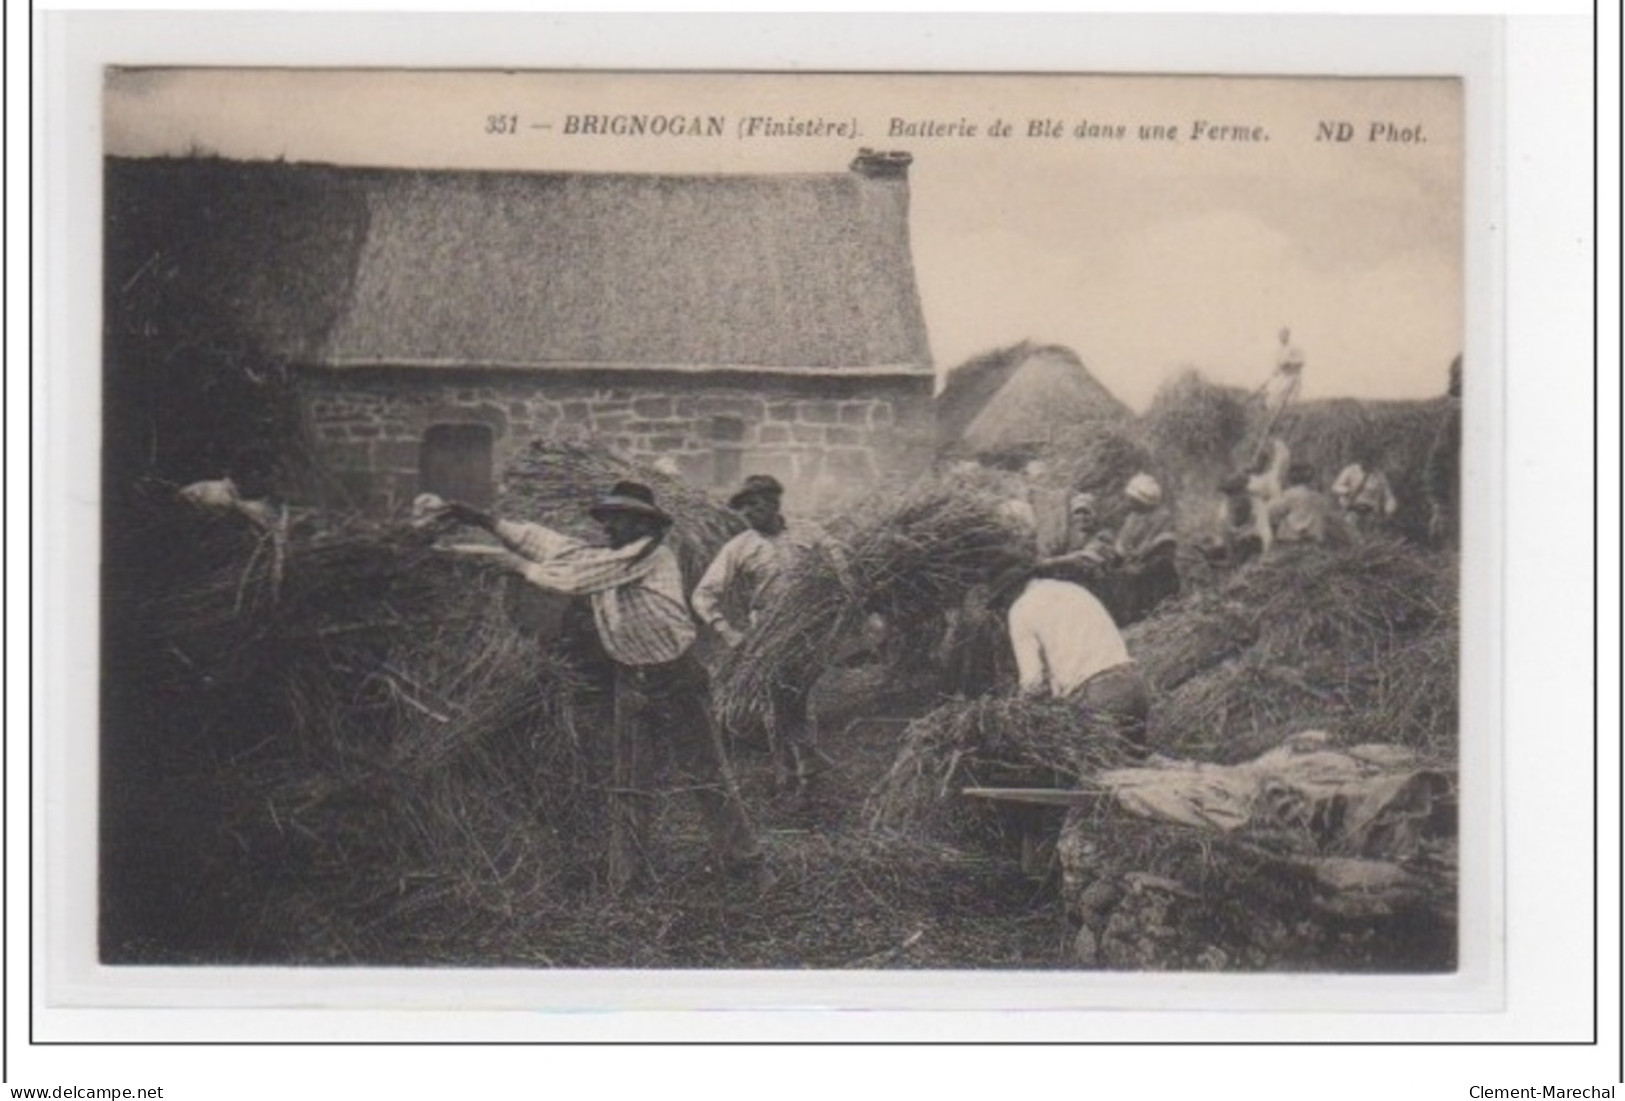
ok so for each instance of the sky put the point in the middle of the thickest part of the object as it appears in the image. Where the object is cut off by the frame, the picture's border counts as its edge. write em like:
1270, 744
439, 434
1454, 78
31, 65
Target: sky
1146, 256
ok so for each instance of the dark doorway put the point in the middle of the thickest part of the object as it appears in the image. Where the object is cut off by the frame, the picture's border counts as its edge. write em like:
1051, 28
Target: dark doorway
456, 463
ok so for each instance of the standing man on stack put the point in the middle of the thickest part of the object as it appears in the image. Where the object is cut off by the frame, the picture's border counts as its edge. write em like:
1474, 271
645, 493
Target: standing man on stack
750, 573
1283, 385
661, 689
1273, 398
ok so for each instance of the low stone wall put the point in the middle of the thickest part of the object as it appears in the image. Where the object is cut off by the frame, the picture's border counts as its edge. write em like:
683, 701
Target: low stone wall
829, 439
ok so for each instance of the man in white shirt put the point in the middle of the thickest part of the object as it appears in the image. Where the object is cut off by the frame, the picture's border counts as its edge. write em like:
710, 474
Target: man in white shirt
750, 573
1282, 386
1068, 647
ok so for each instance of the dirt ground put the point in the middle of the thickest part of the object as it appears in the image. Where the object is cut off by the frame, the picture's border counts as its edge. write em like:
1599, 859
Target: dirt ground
199, 867
836, 895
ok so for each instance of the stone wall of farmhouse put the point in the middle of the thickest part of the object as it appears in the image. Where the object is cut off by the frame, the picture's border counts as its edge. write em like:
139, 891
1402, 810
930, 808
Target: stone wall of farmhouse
828, 439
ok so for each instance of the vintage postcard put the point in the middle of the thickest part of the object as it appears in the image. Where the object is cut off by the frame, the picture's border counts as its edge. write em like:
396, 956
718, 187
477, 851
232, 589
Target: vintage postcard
769, 521
944, 530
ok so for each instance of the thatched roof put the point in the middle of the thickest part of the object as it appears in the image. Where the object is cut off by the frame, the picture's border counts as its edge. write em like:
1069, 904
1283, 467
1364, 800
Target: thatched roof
1021, 395
341, 267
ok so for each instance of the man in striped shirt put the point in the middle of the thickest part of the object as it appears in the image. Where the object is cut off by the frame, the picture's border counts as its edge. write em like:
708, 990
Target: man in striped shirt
636, 590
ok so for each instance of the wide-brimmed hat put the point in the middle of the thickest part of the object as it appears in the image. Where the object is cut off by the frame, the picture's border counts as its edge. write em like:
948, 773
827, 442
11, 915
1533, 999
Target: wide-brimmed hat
1082, 502
628, 497
1144, 489
757, 485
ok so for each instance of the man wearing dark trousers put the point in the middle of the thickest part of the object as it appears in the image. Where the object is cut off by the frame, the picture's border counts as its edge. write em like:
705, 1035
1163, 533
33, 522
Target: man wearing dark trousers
661, 690
750, 572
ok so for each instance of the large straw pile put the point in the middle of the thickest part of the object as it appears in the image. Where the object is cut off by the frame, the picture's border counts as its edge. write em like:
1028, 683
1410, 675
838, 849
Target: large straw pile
909, 559
1362, 640
374, 752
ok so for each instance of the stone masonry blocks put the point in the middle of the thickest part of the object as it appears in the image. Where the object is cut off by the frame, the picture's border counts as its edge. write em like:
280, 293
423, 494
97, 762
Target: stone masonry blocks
836, 444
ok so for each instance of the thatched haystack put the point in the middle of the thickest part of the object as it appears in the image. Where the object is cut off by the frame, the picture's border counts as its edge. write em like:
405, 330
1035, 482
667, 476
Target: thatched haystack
1022, 397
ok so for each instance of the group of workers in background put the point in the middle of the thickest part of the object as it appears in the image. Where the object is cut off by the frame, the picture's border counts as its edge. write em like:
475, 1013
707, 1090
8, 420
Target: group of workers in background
1134, 567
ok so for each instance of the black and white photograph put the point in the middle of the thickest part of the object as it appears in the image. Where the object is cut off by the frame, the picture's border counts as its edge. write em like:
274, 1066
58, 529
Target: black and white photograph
608, 520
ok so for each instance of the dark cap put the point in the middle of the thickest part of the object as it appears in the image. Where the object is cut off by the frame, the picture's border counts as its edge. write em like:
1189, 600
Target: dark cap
1009, 584
632, 497
757, 485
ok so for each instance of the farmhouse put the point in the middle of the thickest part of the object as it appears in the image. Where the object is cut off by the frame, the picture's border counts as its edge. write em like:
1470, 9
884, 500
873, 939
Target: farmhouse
436, 322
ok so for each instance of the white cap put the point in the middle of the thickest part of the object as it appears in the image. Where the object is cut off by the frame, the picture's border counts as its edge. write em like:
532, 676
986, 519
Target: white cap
1144, 489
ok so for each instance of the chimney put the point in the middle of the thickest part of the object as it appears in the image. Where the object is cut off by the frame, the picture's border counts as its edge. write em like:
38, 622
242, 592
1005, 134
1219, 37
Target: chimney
882, 165
880, 190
